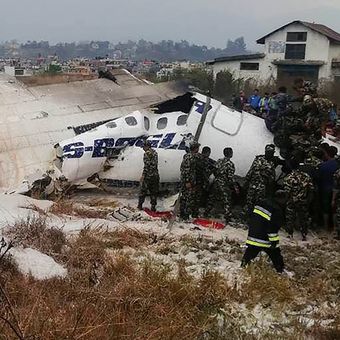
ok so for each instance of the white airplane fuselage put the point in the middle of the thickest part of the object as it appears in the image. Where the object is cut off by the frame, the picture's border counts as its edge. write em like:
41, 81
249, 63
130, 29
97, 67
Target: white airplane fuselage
87, 153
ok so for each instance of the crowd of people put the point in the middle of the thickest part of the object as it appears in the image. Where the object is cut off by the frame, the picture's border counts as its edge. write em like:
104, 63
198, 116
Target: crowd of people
305, 196
268, 105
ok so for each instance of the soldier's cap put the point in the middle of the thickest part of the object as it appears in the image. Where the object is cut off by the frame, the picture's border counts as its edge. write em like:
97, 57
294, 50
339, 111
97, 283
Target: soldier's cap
194, 145
270, 148
147, 143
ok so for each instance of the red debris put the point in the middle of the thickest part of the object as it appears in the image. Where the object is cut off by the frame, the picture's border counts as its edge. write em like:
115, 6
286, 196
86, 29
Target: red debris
158, 214
208, 223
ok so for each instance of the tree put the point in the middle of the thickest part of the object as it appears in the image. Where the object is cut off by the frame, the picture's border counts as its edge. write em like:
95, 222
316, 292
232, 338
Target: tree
201, 79
238, 46
54, 69
225, 86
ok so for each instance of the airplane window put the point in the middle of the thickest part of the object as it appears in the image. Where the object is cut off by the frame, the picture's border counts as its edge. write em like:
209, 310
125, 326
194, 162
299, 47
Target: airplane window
111, 125
146, 123
131, 121
182, 120
162, 123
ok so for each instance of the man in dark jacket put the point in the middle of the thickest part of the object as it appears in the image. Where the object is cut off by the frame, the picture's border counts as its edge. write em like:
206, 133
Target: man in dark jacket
240, 102
264, 224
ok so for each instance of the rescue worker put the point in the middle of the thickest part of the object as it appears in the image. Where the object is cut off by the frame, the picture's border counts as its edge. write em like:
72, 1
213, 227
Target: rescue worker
149, 183
221, 189
311, 166
188, 198
205, 168
264, 105
254, 100
305, 87
240, 102
263, 235
336, 202
260, 178
299, 188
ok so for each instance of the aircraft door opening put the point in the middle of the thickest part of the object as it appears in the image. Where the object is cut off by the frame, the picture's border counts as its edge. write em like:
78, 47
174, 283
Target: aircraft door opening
227, 121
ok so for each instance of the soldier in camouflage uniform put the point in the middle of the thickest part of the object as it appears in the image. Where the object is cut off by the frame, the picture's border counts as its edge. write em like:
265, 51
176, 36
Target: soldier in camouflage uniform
260, 178
221, 189
336, 202
299, 188
205, 168
188, 198
305, 87
149, 183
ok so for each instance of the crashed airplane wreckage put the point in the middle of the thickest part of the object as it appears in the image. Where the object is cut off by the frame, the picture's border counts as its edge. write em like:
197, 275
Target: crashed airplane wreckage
62, 135
36, 114
113, 150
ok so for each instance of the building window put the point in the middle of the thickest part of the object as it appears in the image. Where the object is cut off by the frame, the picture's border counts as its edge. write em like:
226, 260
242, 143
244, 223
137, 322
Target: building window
162, 123
19, 72
295, 51
250, 66
297, 36
131, 121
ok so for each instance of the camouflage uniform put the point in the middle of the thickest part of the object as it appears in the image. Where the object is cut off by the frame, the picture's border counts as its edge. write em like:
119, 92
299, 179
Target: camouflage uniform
221, 190
324, 107
259, 181
337, 200
150, 179
205, 168
309, 88
298, 186
188, 199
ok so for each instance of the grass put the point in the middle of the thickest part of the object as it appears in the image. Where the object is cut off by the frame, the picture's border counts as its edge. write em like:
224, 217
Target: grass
110, 294
70, 208
34, 232
138, 302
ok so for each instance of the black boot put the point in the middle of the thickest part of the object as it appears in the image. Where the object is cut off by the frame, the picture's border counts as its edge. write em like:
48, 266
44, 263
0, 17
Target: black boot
153, 201
140, 203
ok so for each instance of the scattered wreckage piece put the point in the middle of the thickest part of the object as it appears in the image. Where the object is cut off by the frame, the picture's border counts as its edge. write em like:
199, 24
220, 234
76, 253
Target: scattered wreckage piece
125, 214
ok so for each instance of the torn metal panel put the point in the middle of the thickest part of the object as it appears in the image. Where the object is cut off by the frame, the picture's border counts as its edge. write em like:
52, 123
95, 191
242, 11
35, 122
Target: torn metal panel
35, 118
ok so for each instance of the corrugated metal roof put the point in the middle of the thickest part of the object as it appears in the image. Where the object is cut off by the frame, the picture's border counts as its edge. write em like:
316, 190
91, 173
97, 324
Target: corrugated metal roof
238, 57
322, 29
328, 32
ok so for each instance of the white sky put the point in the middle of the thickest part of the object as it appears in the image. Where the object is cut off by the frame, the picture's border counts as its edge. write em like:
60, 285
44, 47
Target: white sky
209, 22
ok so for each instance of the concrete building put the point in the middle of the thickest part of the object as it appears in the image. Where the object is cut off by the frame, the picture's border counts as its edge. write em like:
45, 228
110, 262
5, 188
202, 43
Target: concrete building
297, 50
15, 71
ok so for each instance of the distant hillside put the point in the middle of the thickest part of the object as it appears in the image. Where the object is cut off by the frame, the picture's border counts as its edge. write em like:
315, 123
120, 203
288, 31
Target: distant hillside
166, 50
